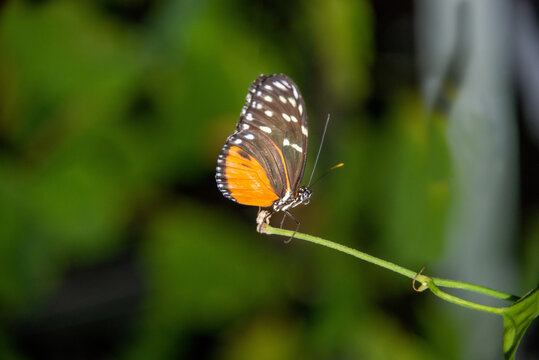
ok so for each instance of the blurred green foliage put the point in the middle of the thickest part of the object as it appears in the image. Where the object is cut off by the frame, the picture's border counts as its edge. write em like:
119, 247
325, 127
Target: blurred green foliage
110, 131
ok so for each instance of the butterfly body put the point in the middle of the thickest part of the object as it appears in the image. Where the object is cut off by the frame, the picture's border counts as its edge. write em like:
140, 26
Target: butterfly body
262, 162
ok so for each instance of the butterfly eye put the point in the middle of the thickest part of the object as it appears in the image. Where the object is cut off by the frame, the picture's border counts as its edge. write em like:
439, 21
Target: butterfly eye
305, 194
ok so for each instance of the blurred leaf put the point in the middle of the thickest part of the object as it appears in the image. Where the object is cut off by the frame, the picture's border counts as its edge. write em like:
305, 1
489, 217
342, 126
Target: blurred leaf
68, 69
6, 350
204, 270
207, 61
63, 193
339, 301
417, 185
341, 37
378, 337
395, 184
267, 337
530, 252
79, 197
438, 328
516, 319
12, 271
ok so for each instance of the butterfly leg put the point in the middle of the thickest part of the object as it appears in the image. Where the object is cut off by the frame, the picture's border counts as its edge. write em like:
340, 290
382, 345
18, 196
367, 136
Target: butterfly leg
297, 226
282, 221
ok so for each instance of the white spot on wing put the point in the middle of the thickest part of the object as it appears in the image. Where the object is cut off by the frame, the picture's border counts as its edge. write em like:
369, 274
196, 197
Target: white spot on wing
286, 142
249, 136
245, 126
286, 117
286, 83
268, 112
249, 116
304, 130
265, 129
258, 106
268, 87
292, 101
237, 141
268, 98
296, 95
294, 119
297, 147
279, 85
283, 99
300, 108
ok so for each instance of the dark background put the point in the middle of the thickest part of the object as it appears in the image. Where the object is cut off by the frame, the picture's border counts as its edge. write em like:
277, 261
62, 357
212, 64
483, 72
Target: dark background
116, 243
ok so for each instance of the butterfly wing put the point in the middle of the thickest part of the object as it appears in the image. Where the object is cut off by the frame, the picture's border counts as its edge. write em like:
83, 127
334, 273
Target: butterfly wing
242, 178
264, 159
278, 96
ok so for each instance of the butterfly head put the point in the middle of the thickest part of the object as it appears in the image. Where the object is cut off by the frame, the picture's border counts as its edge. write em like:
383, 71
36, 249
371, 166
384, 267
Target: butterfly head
304, 195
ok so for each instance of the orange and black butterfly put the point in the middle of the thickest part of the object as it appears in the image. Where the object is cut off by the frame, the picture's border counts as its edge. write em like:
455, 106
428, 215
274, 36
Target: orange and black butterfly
262, 162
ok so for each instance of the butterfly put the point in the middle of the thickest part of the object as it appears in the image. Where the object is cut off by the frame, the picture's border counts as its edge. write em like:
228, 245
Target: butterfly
262, 162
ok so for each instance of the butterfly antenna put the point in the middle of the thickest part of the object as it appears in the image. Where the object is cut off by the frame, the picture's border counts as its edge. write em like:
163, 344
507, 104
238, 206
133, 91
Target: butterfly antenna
319, 150
327, 172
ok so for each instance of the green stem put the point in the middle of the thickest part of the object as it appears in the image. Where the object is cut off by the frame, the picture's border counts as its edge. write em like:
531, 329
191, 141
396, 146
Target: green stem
475, 288
455, 300
345, 249
426, 281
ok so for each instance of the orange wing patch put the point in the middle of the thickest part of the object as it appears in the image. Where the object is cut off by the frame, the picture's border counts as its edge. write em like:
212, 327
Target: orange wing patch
246, 179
